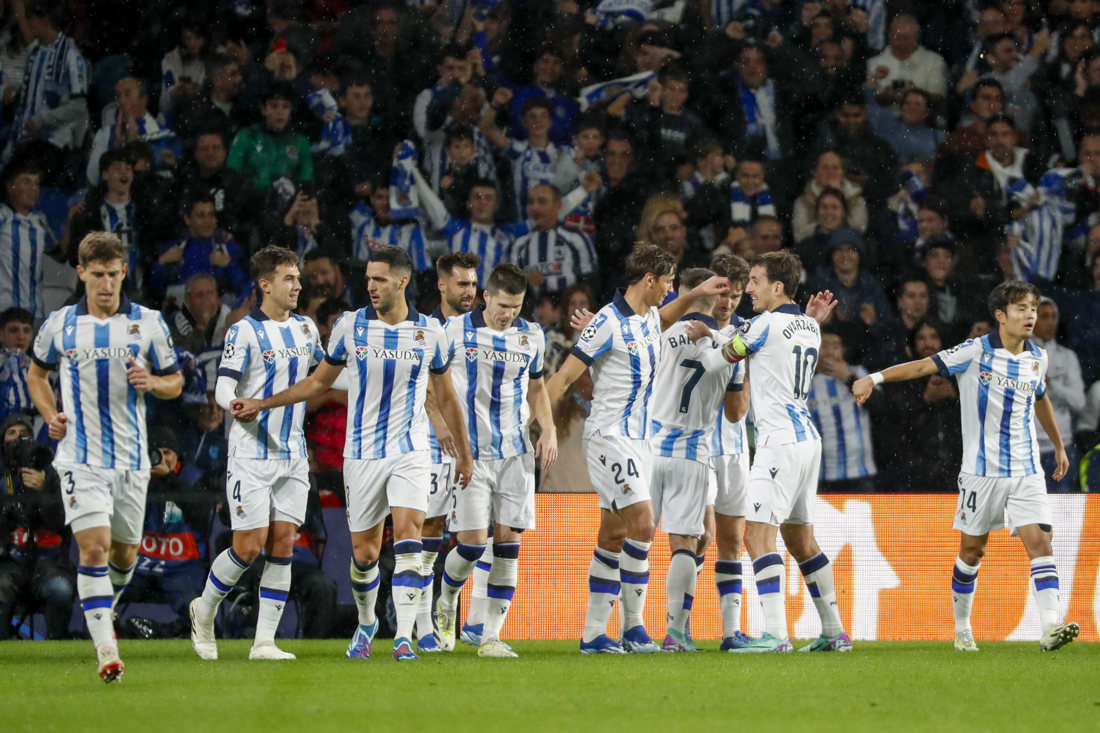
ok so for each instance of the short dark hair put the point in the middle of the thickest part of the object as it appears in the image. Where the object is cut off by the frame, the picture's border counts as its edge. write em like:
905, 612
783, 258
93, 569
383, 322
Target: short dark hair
991, 43
15, 314
834, 192
99, 247
53, 10
454, 51
701, 147
461, 132
18, 167
987, 81
733, 268
218, 62
1002, 118
261, 266
354, 79
507, 278
194, 198
537, 103
279, 90
446, 264
693, 277
782, 266
395, 257
110, 157
1009, 292
674, 72
648, 259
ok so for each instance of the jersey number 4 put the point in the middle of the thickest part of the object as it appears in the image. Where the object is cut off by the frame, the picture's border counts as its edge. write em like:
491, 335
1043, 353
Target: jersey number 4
631, 470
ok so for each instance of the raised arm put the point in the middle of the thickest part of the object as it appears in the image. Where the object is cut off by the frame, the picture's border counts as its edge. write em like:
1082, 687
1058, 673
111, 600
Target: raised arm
680, 307
861, 390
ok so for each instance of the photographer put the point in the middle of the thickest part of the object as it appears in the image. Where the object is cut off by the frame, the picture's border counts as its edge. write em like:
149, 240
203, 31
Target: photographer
35, 570
171, 559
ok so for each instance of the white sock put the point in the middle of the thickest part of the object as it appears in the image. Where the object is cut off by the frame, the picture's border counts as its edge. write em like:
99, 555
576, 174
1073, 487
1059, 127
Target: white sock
728, 577
769, 571
364, 589
225, 571
94, 588
682, 576
424, 625
479, 596
818, 574
634, 575
964, 579
1044, 584
458, 566
501, 588
603, 589
274, 590
120, 578
407, 582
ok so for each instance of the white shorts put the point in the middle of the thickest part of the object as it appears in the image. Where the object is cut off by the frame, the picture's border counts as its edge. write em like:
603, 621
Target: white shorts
440, 489
619, 469
503, 489
116, 493
262, 491
679, 489
985, 501
729, 488
374, 485
782, 483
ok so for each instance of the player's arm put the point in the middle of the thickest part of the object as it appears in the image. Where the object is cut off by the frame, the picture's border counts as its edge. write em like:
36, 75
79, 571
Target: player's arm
862, 388
1044, 411
539, 401
677, 309
736, 404
443, 434
570, 370
323, 376
820, 305
451, 410
38, 384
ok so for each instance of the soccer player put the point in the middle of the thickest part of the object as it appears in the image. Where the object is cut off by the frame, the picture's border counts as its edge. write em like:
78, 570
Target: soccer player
685, 409
783, 343
267, 477
1002, 381
622, 345
388, 349
457, 296
111, 352
503, 387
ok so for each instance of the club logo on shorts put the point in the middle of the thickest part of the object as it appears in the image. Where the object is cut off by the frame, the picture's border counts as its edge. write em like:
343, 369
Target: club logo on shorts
471, 354
985, 377
627, 491
756, 506
963, 516
361, 352
73, 503
269, 356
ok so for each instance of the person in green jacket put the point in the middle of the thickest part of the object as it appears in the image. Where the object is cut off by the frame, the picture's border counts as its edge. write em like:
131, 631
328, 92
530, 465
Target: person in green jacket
268, 151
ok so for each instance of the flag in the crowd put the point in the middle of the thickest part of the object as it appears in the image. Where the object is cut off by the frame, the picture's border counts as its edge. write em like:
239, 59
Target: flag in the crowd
636, 85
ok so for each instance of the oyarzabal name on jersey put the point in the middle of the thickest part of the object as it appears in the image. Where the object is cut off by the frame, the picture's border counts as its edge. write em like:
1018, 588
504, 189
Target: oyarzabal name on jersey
800, 324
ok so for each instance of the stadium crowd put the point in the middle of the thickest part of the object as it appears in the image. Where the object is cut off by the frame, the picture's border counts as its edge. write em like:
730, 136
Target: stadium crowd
911, 160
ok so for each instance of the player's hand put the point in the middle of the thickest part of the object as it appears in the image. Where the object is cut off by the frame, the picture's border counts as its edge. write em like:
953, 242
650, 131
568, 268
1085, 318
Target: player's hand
580, 319
862, 389
464, 470
716, 285
244, 409
547, 448
160, 470
220, 257
57, 426
35, 480
446, 440
140, 378
1059, 471
697, 330
820, 305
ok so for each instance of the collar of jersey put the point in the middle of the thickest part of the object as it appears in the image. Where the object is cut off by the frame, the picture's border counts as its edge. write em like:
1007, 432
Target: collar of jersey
994, 337
124, 306
372, 315
477, 319
437, 314
711, 321
622, 305
789, 308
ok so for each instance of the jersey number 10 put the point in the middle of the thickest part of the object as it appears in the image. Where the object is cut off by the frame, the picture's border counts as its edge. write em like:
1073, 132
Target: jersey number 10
804, 366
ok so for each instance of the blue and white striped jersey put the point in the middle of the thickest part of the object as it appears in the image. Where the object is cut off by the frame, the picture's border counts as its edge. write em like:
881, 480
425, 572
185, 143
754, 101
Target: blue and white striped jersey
530, 167
491, 244
782, 345
844, 426
997, 394
562, 256
23, 242
491, 378
15, 392
687, 396
106, 415
438, 456
730, 438
119, 219
53, 75
265, 357
1042, 228
388, 375
368, 235
621, 349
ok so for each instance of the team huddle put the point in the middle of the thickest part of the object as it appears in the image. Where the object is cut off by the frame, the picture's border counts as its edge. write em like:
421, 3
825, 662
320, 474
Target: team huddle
437, 438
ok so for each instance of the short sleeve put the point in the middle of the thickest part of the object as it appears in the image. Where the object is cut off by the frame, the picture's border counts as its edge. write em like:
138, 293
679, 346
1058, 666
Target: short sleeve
235, 351
596, 340
444, 349
337, 348
162, 352
957, 359
44, 352
318, 354
751, 336
538, 361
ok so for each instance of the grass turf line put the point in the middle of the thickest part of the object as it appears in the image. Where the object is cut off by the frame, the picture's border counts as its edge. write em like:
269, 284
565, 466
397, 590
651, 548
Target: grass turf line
896, 686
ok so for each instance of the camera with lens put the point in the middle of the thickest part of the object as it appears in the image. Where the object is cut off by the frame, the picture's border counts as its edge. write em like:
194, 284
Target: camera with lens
155, 457
24, 452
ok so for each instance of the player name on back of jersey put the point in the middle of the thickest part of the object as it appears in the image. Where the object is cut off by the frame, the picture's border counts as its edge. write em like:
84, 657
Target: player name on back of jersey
800, 324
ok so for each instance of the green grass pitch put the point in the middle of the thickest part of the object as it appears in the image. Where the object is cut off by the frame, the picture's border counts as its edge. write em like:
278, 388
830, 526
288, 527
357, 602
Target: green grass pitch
884, 686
